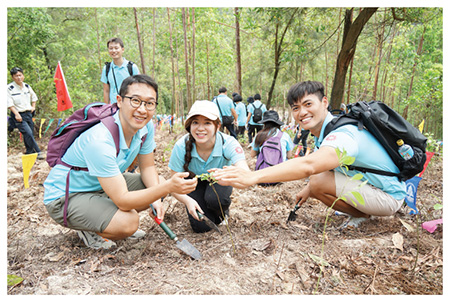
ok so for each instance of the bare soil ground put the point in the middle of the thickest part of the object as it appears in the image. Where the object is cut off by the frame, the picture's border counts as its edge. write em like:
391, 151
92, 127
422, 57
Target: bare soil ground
385, 256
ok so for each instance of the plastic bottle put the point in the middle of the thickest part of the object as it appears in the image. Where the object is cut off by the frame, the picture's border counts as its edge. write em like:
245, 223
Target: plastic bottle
405, 150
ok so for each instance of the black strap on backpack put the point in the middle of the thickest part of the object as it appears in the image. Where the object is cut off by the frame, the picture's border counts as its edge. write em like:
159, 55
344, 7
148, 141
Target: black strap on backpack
108, 67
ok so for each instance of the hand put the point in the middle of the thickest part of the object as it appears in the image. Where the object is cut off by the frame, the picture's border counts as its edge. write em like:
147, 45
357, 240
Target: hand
303, 195
233, 176
18, 117
193, 207
181, 185
33, 108
159, 208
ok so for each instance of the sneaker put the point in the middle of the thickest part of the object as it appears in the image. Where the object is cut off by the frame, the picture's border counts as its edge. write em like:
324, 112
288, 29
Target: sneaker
95, 241
353, 222
40, 155
137, 235
339, 213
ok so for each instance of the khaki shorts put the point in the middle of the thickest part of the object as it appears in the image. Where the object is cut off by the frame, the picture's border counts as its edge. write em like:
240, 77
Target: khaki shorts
90, 211
376, 201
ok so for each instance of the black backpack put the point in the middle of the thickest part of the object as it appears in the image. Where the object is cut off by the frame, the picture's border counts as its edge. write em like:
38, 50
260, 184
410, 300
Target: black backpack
257, 113
108, 67
387, 126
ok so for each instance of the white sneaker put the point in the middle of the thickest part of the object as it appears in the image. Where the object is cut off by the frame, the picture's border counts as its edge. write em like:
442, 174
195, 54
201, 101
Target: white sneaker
339, 213
353, 222
95, 241
138, 234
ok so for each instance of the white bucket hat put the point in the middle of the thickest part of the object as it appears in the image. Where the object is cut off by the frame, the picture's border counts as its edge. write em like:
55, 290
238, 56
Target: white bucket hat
206, 108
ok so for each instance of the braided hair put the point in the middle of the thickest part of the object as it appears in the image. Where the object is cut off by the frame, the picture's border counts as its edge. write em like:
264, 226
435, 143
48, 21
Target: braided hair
190, 144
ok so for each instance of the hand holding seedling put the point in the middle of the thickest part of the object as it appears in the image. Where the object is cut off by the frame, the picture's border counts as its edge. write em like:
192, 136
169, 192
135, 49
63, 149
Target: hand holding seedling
179, 184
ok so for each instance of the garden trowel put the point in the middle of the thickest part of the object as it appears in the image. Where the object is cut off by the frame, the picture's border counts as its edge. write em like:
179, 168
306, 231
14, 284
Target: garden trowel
208, 222
292, 214
183, 245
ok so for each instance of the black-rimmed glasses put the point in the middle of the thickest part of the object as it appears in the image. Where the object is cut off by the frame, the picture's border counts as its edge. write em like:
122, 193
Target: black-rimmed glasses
136, 103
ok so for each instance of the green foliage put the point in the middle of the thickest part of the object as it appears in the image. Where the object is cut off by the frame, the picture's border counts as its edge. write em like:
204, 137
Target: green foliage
207, 176
13, 280
38, 38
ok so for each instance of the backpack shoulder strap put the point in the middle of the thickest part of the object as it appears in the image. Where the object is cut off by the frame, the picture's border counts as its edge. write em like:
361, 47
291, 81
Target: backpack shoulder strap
111, 125
130, 67
107, 68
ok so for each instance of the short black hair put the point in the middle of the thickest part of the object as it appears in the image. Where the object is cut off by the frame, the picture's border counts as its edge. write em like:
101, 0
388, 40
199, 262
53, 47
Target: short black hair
250, 99
237, 98
301, 89
15, 70
115, 40
257, 96
222, 89
138, 78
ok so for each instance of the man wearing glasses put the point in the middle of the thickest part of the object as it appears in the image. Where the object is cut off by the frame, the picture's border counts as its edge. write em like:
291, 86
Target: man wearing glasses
104, 201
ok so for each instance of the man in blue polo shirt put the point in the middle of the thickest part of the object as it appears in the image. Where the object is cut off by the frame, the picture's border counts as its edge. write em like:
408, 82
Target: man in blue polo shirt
254, 126
228, 115
115, 72
383, 195
104, 201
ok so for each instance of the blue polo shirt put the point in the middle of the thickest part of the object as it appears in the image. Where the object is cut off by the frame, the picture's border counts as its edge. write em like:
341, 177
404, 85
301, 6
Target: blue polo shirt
286, 144
251, 108
226, 152
225, 103
242, 114
121, 73
95, 149
368, 152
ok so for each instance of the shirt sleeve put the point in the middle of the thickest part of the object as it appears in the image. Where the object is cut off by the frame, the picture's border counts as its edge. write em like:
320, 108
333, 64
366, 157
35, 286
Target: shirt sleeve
33, 94
9, 99
103, 78
233, 150
176, 161
342, 139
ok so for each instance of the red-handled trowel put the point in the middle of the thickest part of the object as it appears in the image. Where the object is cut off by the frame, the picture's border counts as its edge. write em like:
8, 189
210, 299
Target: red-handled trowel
184, 245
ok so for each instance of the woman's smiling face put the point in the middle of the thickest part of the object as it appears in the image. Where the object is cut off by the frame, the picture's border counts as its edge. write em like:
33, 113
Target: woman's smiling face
203, 129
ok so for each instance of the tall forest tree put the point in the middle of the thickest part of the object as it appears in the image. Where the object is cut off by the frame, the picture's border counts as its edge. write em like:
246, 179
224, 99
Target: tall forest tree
352, 30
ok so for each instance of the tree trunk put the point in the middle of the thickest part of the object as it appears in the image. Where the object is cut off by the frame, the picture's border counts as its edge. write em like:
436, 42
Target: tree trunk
278, 53
186, 60
238, 53
207, 70
173, 65
141, 51
352, 30
380, 39
419, 52
154, 44
98, 39
194, 96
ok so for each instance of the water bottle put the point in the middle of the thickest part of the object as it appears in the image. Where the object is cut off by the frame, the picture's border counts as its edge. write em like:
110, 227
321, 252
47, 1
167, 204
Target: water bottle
405, 150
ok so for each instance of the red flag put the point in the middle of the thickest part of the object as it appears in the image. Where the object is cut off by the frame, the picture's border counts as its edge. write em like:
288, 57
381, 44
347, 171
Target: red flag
62, 94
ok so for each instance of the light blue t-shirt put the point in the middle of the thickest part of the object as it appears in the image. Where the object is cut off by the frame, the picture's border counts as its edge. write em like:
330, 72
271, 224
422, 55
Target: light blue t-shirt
226, 104
286, 144
251, 108
368, 153
95, 149
242, 114
121, 73
226, 152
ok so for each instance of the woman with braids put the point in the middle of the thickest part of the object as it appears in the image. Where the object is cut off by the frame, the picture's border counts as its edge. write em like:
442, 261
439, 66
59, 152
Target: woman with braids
272, 124
204, 148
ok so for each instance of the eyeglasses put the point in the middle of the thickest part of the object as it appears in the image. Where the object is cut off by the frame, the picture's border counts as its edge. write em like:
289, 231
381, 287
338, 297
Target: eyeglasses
136, 103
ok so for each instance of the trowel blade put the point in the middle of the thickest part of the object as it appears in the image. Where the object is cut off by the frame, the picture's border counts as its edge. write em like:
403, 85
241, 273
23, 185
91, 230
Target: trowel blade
189, 249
